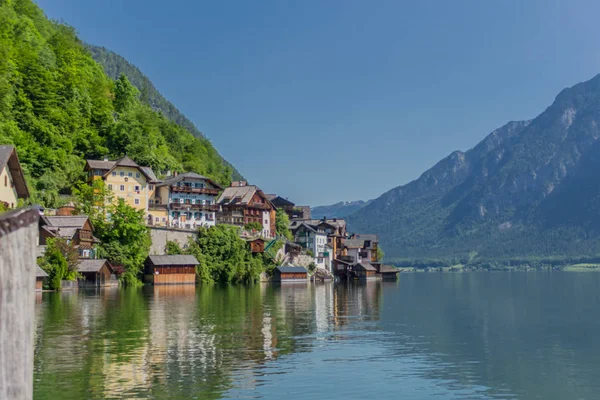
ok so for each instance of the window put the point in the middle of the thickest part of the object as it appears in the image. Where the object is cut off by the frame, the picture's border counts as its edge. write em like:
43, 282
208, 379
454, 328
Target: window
130, 174
164, 219
197, 215
5, 180
121, 173
97, 172
137, 174
136, 202
110, 186
150, 201
114, 173
157, 219
150, 187
122, 188
180, 201
136, 188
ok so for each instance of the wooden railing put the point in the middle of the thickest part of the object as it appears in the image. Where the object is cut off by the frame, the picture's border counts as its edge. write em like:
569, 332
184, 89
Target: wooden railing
203, 207
189, 189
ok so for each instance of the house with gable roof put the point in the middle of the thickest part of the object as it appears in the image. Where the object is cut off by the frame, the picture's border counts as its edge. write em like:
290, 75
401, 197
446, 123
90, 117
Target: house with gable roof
12, 179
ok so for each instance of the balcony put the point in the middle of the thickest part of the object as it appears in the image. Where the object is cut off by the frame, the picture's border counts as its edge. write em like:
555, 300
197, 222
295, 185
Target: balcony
202, 207
189, 189
157, 207
261, 206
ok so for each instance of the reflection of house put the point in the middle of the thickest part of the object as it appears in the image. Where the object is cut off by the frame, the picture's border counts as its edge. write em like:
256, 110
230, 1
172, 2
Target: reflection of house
76, 229
188, 199
12, 180
241, 204
290, 274
96, 273
40, 276
171, 270
125, 179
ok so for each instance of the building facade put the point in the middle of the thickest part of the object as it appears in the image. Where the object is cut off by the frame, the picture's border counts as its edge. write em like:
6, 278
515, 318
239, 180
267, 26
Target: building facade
12, 180
184, 201
314, 238
125, 179
241, 204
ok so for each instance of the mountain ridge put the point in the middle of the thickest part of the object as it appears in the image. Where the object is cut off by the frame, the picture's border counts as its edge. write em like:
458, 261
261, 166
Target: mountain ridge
496, 199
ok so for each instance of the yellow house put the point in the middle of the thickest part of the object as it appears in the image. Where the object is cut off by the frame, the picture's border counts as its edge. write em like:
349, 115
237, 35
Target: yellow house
125, 179
12, 180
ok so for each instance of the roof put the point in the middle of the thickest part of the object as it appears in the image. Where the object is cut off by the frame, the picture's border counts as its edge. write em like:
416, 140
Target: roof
354, 243
62, 221
310, 228
9, 158
364, 266
100, 164
188, 175
292, 269
40, 273
342, 261
387, 268
91, 265
240, 195
336, 222
150, 174
365, 236
279, 201
179, 259
125, 161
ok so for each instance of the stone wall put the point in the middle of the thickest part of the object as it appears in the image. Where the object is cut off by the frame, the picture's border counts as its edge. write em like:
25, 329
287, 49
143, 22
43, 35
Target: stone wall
160, 236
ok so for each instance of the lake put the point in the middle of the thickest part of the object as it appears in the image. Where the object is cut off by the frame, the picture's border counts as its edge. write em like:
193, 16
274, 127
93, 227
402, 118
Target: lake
498, 335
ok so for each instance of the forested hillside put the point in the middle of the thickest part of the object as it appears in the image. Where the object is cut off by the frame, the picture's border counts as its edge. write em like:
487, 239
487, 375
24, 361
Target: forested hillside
529, 191
59, 107
115, 65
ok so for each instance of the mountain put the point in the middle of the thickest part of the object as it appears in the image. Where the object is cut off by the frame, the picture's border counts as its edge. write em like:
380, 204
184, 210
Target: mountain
115, 65
529, 191
337, 210
58, 107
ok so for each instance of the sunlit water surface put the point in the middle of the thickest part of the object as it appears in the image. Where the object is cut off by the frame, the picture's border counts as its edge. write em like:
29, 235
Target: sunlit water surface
427, 336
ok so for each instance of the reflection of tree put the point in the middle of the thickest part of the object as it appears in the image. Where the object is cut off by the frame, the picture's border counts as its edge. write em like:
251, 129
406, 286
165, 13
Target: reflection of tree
521, 333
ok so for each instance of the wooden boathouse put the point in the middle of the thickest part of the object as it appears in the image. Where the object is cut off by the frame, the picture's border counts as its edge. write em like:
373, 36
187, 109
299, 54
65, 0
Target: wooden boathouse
364, 270
257, 245
290, 274
40, 277
96, 273
387, 272
171, 270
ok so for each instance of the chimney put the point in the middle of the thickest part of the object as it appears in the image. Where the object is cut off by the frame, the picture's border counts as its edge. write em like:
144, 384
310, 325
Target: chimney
239, 183
324, 219
335, 220
175, 173
105, 158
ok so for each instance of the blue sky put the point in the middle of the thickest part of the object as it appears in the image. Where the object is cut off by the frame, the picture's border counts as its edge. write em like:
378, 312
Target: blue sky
323, 101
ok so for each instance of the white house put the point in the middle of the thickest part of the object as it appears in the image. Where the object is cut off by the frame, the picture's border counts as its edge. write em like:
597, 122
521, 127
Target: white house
314, 238
190, 199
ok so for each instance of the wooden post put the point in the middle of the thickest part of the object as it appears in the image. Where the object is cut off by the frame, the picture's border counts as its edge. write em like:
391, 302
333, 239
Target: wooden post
18, 240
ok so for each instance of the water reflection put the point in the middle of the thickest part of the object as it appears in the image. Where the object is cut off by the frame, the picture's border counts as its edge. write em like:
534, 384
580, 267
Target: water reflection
475, 336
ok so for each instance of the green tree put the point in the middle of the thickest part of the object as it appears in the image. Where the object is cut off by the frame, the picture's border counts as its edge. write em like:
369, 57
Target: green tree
173, 248
125, 94
60, 262
125, 240
282, 224
253, 226
380, 253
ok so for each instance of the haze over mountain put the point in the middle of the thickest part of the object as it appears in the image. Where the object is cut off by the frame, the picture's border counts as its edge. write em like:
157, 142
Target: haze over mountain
338, 210
529, 189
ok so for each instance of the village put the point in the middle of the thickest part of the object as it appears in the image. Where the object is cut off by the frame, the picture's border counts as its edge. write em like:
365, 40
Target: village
180, 203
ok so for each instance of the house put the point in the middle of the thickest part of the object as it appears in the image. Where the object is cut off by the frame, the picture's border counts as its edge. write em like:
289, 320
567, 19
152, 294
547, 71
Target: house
171, 270
76, 229
187, 200
335, 229
256, 245
125, 178
96, 273
290, 274
12, 179
314, 238
370, 242
387, 272
364, 271
40, 277
241, 204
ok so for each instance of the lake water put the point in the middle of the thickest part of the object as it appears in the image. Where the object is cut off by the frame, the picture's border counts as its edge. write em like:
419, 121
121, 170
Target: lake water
520, 335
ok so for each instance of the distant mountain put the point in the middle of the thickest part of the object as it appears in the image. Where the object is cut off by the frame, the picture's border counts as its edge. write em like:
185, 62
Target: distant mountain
529, 190
114, 65
337, 210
